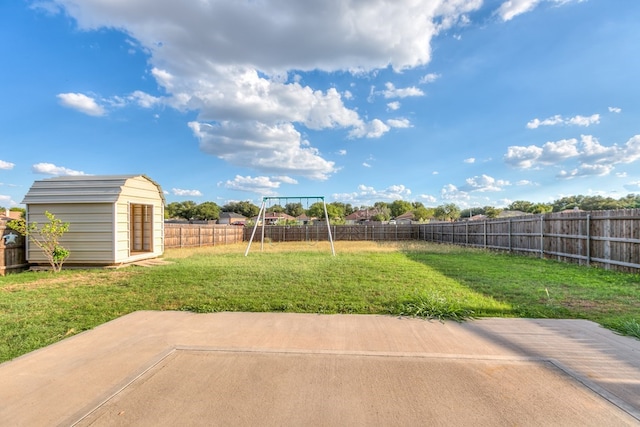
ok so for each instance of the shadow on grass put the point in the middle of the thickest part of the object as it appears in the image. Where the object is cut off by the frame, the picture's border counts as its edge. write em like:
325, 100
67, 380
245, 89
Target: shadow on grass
538, 288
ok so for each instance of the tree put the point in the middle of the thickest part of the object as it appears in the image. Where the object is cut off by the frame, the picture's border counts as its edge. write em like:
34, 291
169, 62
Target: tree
345, 208
541, 208
316, 210
275, 209
245, 208
184, 210
294, 209
206, 211
630, 201
491, 212
46, 238
399, 207
520, 205
565, 203
422, 214
447, 212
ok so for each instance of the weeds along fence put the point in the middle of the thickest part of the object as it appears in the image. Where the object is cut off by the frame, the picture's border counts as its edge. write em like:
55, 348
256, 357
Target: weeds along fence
193, 235
607, 239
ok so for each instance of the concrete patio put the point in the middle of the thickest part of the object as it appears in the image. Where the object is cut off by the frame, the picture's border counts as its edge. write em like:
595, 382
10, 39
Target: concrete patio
178, 368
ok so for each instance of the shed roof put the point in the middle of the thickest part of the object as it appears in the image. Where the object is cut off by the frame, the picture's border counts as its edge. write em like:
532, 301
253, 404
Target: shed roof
81, 189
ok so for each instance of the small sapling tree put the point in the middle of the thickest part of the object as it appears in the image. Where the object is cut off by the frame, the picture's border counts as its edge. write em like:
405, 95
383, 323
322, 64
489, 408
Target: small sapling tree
46, 237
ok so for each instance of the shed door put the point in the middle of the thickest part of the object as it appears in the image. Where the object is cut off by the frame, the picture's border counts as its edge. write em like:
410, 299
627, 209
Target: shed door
141, 223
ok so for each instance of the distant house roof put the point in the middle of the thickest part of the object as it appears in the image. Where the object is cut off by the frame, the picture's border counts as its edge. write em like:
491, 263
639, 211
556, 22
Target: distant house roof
7, 215
406, 215
478, 217
231, 215
275, 216
304, 217
362, 215
507, 214
82, 189
574, 210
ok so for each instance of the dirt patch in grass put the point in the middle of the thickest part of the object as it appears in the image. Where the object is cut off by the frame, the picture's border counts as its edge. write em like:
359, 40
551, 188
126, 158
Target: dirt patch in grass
601, 307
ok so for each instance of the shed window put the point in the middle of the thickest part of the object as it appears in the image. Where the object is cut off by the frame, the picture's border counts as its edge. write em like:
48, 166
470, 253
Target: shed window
141, 223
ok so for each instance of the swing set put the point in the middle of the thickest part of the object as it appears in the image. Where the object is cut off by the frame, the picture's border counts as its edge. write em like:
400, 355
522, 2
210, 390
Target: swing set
262, 214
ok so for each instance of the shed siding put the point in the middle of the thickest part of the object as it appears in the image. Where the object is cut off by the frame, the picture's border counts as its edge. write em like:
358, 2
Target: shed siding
90, 234
138, 190
97, 209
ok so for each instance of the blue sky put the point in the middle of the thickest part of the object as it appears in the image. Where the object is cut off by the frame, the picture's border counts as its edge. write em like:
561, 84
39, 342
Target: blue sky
439, 101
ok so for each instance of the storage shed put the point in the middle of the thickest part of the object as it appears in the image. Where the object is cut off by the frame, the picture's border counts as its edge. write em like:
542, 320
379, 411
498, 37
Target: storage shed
113, 220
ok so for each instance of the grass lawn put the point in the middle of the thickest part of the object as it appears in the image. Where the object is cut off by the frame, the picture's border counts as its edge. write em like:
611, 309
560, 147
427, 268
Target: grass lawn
413, 279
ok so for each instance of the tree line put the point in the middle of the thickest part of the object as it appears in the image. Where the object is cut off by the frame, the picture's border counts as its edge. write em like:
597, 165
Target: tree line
383, 211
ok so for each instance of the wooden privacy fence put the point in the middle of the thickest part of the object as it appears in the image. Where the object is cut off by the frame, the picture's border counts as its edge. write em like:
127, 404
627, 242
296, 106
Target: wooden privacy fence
311, 233
609, 239
12, 250
190, 235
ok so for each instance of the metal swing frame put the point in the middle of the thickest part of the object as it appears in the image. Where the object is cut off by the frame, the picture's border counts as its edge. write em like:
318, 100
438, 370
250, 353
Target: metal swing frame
263, 214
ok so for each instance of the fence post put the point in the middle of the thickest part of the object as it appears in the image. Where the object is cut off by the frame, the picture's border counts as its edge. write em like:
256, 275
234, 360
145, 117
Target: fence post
588, 239
541, 235
606, 230
485, 234
509, 234
466, 232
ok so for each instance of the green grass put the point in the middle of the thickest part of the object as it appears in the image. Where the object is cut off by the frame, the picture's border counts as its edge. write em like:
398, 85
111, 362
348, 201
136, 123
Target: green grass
431, 281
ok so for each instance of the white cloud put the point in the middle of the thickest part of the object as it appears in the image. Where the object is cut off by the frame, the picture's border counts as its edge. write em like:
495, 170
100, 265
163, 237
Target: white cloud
559, 120
368, 195
190, 193
633, 186
523, 157
260, 184
428, 198
550, 153
470, 160
144, 99
6, 165
82, 103
366, 165
276, 149
374, 129
592, 157
342, 152
51, 169
399, 123
484, 183
586, 170
615, 110
392, 92
512, 8
429, 78
7, 201
584, 121
525, 182
393, 105
451, 193
284, 179
226, 62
